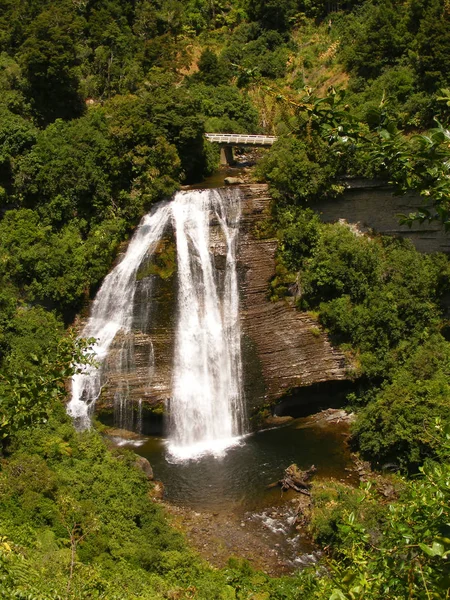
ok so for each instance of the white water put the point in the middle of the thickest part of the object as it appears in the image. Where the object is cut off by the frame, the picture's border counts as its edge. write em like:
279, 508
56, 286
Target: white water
206, 413
206, 408
112, 312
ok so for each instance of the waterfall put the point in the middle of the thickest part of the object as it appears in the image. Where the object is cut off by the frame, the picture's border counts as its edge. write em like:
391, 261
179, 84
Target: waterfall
206, 410
112, 312
206, 405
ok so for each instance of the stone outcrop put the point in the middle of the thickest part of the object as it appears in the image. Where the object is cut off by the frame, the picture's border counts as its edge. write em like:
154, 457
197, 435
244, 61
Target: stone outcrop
282, 347
144, 465
233, 181
372, 205
140, 368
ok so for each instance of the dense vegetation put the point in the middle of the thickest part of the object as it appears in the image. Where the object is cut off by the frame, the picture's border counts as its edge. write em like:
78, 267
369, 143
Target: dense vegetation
103, 106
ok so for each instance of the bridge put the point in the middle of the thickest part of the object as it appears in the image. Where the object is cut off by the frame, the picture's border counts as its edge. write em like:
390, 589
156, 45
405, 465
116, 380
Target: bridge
228, 141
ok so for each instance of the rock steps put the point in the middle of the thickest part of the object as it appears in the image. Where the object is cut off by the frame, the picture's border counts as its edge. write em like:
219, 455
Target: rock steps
292, 351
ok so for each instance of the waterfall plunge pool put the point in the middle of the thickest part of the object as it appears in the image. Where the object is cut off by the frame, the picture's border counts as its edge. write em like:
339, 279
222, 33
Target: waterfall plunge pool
224, 503
238, 480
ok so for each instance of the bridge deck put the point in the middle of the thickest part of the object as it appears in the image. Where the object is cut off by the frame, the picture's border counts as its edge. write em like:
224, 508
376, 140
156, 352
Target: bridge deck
234, 139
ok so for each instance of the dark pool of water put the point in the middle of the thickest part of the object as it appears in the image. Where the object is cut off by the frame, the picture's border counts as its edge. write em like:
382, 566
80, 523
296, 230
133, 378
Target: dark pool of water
238, 480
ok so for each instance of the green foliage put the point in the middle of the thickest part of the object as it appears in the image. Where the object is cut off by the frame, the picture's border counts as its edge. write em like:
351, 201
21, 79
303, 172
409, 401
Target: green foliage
398, 52
423, 165
26, 331
405, 550
379, 38
77, 521
49, 59
341, 263
122, 542
255, 53
398, 425
380, 299
44, 265
226, 109
373, 293
299, 231
17, 135
333, 502
298, 170
163, 263
28, 397
273, 14
211, 71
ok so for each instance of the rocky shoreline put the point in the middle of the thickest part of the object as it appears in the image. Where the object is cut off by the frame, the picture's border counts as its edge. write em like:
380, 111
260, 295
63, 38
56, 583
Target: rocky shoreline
273, 538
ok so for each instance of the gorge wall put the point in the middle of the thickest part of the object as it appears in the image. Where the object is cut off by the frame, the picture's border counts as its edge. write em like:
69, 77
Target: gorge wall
282, 349
372, 205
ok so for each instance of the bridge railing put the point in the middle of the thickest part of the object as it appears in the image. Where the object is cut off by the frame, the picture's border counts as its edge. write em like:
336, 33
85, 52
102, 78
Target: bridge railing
241, 139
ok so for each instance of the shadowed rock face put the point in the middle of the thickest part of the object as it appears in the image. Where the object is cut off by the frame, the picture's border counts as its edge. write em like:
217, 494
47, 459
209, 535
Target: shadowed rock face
282, 348
372, 205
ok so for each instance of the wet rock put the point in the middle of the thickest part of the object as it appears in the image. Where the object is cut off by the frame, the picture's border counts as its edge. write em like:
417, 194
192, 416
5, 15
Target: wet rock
123, 434
274, 421
388, 491
390, 467
144, 465
330, 416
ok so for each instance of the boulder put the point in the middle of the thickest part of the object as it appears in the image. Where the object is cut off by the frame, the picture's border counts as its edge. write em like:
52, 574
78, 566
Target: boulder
233, 181
157, 492
143, 464
123, 434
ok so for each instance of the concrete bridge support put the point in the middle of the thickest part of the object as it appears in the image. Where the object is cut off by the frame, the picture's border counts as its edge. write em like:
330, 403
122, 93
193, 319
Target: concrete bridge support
227, 155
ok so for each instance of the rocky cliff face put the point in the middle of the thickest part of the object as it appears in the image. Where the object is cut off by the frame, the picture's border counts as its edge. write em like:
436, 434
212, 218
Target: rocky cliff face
282, 348
372, 205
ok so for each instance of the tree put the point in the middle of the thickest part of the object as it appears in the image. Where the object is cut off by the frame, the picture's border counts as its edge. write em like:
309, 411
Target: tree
28, 398
211, 71
272, 14
433, 46
49, 59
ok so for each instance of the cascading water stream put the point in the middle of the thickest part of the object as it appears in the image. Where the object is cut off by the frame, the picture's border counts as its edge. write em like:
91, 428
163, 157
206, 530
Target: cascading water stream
206, 407
206, 411
112, 312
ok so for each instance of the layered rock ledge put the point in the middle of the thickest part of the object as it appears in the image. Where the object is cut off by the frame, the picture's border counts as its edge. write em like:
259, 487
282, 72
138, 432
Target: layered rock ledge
282, 347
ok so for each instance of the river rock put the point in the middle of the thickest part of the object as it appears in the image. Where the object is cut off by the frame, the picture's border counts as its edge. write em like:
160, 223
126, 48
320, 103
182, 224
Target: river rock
330, 416
274, 421
144, 465
157, 491
124, 434
233, 181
